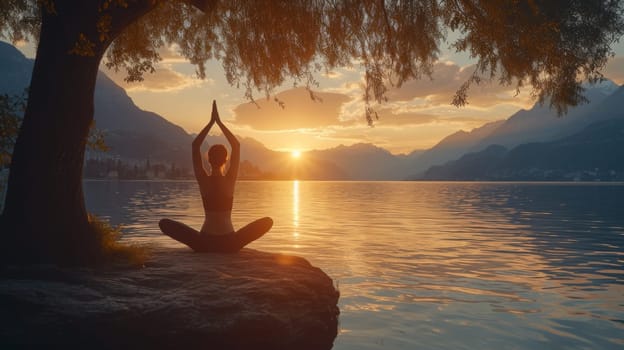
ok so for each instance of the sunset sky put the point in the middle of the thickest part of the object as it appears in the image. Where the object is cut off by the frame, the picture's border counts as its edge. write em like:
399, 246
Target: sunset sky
416, 116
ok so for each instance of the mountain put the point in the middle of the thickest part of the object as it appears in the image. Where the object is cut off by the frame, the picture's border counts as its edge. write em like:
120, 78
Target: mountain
594, 153
281, 165
542, 124
539, 124
16, 70
356, 162
131, 133
365, 161
611, 107
455, 145
474, 166
134, 134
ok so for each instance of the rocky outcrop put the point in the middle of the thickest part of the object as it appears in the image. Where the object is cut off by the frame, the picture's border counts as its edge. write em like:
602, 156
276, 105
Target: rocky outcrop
180, 299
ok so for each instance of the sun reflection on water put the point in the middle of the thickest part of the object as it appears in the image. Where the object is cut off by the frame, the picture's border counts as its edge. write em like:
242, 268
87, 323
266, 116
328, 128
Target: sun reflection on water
295, 210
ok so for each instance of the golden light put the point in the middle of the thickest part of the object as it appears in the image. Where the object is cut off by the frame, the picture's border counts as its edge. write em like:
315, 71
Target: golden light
295, 154
296, 208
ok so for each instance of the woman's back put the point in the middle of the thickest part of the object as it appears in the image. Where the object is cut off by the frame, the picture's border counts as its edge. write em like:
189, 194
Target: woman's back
217, 198
217, 192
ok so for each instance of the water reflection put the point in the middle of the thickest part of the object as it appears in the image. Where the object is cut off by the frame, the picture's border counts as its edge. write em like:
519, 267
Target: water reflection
431, 265
295, 208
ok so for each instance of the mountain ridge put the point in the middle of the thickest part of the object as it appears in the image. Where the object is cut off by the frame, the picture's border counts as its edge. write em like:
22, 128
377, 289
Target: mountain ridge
455, 145
537, 124
137, 137
595, 153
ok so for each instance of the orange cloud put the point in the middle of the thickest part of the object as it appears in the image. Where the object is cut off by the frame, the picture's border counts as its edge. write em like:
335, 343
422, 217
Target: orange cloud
171, 54
164, 79
300, 111
446, 79
392, 117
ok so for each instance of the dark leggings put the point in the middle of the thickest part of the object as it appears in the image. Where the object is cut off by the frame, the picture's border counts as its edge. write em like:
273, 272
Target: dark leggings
227, 243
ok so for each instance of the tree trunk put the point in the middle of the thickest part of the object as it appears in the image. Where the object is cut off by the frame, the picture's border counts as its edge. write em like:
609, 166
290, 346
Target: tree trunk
45, 219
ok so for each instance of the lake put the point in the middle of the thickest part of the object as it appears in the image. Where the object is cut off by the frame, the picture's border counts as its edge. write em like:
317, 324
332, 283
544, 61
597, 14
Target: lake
424, 265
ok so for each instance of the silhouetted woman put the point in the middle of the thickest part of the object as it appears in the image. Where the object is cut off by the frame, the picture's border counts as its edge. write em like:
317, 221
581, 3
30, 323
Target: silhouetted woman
217, 192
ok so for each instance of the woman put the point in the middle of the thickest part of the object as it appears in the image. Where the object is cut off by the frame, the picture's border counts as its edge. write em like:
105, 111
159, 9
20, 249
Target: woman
217, 192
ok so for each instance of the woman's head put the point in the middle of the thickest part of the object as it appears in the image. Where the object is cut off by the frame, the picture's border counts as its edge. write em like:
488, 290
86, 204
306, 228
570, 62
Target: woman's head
217, 155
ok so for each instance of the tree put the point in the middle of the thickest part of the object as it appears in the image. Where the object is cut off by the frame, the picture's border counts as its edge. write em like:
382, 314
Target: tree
11, 110
550, 44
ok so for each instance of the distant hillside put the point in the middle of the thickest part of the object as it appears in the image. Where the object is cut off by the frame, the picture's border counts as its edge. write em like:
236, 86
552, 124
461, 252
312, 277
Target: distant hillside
131, 133
366, 162
455, 145
281, 165
539, 124
15, 70
611, 107
134, 134
595, 153
355, 162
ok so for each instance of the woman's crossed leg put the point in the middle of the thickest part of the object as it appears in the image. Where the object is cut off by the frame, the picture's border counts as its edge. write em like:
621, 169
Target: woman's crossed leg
227, 243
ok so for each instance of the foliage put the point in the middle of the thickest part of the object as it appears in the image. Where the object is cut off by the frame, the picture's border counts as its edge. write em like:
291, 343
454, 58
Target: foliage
111, 249
96, 140
12, 108
549, 45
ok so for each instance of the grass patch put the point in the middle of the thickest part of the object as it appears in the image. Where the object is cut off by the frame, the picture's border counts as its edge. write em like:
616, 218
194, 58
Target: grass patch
114, 251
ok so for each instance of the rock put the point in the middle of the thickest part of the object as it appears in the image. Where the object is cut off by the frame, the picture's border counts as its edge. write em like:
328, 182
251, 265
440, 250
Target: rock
180, 299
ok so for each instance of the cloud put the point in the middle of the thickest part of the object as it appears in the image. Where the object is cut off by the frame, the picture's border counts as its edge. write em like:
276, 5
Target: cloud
332, 74
164, 79
171, 54
447, 77
300, 111
396, 117
426, 100
416, 116
419, 111
615, 70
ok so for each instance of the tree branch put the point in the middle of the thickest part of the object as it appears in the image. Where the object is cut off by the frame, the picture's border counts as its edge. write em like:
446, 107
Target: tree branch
121, 17
203, 5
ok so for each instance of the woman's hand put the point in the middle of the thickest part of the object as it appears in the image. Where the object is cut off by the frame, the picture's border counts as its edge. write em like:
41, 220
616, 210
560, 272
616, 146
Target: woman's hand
215, 114
235, 158
198, 164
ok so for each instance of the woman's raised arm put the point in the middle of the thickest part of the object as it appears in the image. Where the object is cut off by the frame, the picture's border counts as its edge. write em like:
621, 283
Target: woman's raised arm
198, 164
235, 158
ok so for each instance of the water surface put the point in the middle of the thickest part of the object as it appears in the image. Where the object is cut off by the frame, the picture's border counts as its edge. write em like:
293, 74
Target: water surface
430, 265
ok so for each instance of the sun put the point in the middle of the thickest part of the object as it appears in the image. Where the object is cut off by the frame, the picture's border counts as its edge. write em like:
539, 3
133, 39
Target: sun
295, 153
